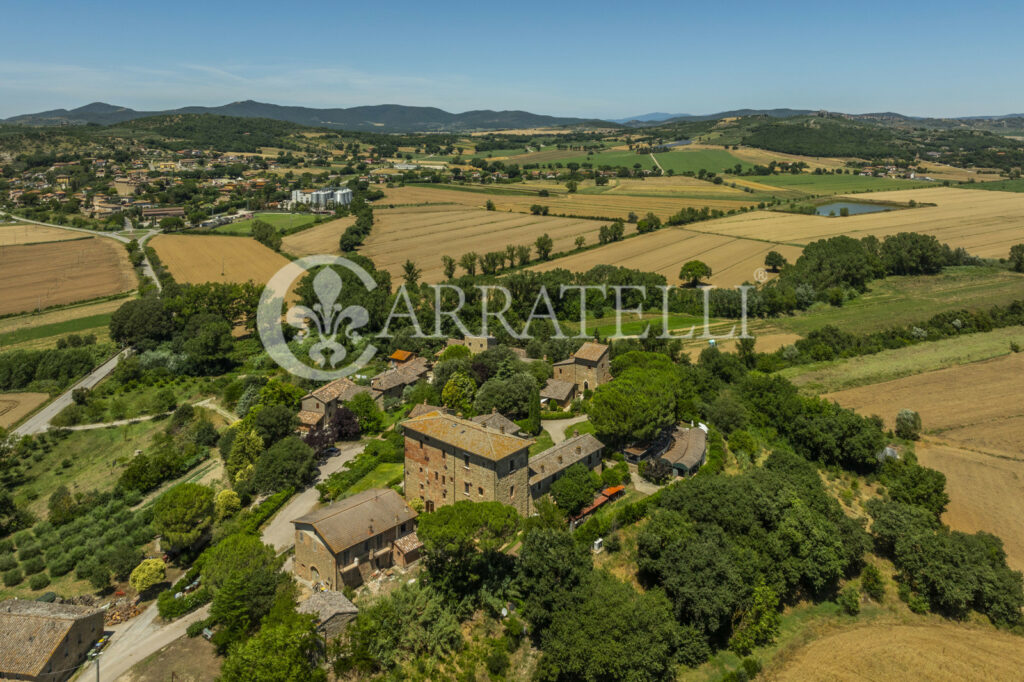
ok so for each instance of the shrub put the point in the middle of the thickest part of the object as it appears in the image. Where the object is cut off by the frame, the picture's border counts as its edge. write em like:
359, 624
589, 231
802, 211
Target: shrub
872, 582
38, 581
849, 600
62, 565
33, 565
29, 551
13, 577
195, 629
908, 425
7, 562
147, 574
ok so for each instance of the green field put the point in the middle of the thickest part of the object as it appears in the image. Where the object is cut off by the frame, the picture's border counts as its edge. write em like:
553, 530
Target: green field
693, 160
284, 222
905, 300
1016, 185
809, 183
631, 325
837, 375
77, 326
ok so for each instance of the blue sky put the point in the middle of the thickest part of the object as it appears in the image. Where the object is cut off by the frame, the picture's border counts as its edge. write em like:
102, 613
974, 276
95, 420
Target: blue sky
604, 59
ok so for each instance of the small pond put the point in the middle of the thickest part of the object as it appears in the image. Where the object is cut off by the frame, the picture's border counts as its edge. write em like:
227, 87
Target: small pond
853, 208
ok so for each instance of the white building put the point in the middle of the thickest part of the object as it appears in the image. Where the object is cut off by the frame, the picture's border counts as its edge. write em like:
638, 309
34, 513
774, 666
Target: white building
323, 198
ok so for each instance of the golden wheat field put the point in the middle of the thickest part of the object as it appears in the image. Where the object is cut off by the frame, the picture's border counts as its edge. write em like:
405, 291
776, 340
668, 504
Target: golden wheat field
986, 493
24, 233
590, 205
933, 651
194, 259
15, 406
985, 394
732, 261
423, 236
322, 238
676, 185
987, 224
42, 275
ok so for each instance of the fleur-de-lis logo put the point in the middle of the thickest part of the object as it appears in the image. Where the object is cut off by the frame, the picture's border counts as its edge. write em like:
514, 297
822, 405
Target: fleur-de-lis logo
327, 317
325, 320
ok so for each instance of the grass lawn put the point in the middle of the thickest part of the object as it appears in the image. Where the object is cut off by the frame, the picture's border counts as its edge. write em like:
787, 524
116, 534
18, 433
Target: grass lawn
631, 326
810, 183
905, 300
284, 222
543, 442
378, 478
836, 375
84, 460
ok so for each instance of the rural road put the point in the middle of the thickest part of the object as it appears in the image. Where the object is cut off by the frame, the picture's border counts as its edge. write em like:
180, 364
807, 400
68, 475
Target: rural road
40, 421
655, 160
279, 533
94, 233
140, 637
558, 427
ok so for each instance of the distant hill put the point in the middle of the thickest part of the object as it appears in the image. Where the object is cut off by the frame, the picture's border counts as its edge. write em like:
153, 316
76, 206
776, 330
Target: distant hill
384, 118
655, 117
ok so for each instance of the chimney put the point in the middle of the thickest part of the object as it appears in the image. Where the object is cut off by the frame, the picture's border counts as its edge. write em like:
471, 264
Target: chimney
501, 428
579, 449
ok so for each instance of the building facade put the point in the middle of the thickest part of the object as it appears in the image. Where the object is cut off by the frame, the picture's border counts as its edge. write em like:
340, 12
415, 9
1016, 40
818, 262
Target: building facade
548, 466
323, 198
448, 459
587, 368
41, 641
346, 542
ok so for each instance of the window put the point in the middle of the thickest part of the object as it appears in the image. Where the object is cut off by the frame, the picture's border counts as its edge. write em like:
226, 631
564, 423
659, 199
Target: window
480, 491
467, 487
465, 461
435, 475
511, 492
511, 465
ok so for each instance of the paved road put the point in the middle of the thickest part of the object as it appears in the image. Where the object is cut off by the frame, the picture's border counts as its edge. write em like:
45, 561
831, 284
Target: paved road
280, 533
558, 427
40, 421
94, 233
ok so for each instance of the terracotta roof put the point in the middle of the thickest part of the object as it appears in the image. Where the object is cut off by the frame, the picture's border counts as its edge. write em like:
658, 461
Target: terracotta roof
31, 631
563, 456
309, 418
408, 543
466, 435
590, 351
336, 389
360, 517
556, 389
326, 605
401, 355
405, 375
423, 408
497, 422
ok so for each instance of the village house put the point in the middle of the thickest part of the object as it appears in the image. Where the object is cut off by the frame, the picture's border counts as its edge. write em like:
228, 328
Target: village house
318, 407
448, 459
333, 612
587, 368
548, 466
392, 382
44, 641
557, 394
496, 421
347, 541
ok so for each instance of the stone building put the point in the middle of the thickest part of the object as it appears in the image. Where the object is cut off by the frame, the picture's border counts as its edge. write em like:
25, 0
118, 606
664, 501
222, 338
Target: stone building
587, 368
344, 543
448, 459
41, 641
333, 612
548, 466
316, 414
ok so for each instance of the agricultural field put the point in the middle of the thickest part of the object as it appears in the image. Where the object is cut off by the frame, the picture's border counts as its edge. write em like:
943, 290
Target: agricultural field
901, 300
26, 233
423, 236
38, 276
677, 186
588, 205
939, 650
680, 161
284, 222
863, 370
987, 224
985, 493
1016, 185
980, 405
755, 156
322, 238
37, 330
794, 186
195, 259
732, 261
16, 406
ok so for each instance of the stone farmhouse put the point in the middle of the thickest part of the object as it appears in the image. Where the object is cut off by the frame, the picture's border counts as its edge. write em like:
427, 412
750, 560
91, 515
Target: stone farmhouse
448, 458
346, 542
333, 612
316, 416
587, 368
41, 641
